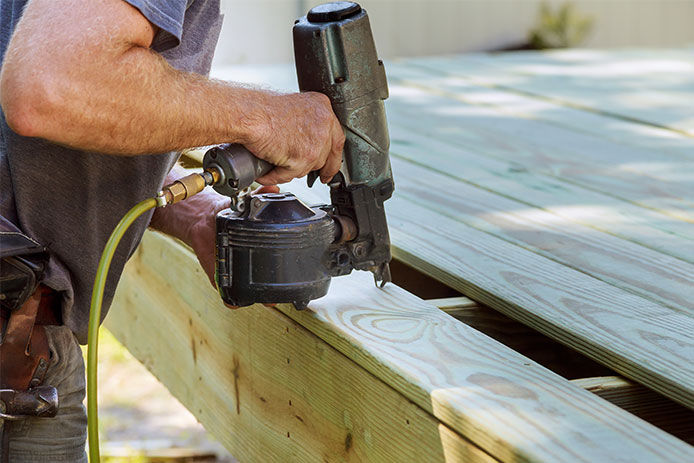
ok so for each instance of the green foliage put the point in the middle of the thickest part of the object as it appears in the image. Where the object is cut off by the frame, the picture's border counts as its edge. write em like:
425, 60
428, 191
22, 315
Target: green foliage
561, 29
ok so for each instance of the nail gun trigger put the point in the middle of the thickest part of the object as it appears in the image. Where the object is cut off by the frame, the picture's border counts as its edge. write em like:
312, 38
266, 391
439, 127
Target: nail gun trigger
312, 177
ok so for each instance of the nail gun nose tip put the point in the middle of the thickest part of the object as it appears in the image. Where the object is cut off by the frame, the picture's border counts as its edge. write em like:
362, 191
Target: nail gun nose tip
300, 305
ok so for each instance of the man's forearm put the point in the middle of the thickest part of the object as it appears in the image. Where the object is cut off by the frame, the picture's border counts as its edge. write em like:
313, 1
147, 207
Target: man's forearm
81, 73
123, 98
158, 109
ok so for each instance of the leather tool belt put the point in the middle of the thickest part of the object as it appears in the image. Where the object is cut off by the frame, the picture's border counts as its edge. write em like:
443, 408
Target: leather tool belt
26, 307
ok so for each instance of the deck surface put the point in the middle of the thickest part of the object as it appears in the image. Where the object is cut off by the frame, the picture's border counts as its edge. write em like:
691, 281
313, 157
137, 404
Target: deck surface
557, 188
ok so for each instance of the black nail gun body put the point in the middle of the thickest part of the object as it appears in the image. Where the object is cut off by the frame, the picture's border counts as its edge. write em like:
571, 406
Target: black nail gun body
272, 247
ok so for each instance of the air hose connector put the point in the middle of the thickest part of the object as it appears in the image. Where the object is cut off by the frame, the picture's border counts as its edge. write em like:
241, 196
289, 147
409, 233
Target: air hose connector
187, 186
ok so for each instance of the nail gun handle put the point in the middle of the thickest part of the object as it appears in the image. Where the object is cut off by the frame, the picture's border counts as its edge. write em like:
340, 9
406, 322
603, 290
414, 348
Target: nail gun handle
238, 167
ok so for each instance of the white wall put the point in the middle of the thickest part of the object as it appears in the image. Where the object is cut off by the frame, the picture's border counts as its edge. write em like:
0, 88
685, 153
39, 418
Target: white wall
259, 31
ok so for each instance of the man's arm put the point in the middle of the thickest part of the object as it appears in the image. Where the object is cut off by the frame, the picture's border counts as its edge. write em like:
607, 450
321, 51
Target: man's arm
80, 73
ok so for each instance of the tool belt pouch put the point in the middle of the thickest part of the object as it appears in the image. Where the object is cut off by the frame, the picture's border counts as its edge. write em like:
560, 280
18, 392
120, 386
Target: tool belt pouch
24, 351
22, 262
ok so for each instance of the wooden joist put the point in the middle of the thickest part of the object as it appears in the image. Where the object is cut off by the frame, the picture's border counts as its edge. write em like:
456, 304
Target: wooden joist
547, 352
364, 374
452, 304
644, 403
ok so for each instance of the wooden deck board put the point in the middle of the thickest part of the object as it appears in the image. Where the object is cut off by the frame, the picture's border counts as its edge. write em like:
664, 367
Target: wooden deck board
544, 179
637, 337
555, 176
441, 79
572, 203
654, 88
253, 371
263, 385
662, 279
631, 174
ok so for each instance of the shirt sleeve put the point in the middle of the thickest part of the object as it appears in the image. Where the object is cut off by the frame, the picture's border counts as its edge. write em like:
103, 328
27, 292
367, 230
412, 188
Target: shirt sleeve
168, 16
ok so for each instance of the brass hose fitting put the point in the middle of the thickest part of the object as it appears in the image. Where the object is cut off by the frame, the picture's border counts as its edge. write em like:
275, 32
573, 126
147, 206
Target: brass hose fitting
187, 186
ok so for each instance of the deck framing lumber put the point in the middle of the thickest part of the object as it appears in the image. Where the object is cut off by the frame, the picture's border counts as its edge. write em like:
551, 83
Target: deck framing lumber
644, 403
263, 385
651, 345
572, 221
562, 360
400, 359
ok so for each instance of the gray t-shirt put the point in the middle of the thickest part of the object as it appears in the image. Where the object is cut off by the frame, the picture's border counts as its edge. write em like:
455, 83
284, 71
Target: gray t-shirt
71, 200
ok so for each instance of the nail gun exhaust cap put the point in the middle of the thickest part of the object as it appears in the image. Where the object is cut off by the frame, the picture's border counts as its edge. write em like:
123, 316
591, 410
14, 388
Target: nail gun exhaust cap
334, 11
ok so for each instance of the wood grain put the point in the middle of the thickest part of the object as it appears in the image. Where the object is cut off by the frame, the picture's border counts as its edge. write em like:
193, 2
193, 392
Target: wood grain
634, 336
440, 76
634, 171
264, 386
656, 230
651, 274
486, 391
532, 182
501, 401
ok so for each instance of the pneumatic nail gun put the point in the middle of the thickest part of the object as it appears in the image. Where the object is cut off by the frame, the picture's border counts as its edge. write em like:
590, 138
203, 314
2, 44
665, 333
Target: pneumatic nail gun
273, 248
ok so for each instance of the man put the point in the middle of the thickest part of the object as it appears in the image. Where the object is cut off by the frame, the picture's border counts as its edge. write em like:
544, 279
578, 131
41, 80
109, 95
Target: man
89, 89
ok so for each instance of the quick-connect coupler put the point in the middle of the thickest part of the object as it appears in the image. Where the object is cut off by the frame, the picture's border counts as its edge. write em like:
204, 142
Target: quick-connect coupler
187, 186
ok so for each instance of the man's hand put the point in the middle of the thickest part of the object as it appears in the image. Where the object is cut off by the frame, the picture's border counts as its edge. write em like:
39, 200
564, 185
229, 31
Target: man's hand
302, 134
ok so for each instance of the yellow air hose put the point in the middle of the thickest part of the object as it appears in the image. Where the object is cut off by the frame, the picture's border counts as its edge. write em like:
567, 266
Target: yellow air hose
170, 194
95, 319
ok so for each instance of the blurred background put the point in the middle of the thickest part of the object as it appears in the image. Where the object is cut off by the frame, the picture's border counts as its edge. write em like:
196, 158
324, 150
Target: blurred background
259, 31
